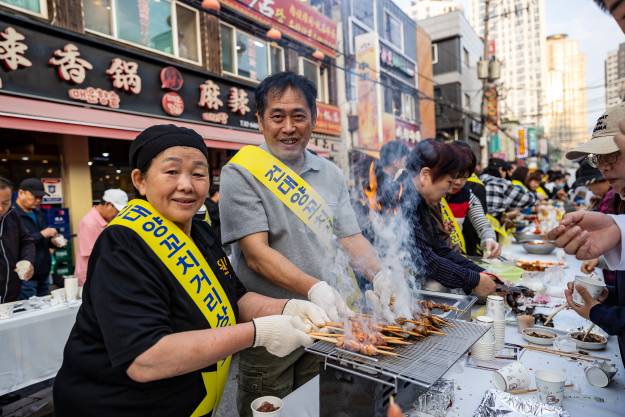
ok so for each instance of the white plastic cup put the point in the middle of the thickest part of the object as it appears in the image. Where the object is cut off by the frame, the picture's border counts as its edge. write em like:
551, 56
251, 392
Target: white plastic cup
6, 311
495, 307
71, 288
550, 385
594, 287
58, 296
511, 377
21, 268
275, 401
59, 241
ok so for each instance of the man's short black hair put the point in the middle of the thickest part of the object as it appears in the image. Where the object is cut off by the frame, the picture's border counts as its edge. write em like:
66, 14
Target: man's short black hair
393, 151
278, 83
5, 183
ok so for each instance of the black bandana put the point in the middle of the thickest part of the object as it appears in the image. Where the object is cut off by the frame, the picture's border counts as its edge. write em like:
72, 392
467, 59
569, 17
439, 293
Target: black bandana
155, 139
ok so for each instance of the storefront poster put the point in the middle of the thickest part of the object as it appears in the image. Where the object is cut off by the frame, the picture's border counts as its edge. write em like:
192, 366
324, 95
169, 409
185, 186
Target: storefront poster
522, 150
294, 18
83, 70
406, 131
369, 91
532, 140
328, 119
494, 144
54, 191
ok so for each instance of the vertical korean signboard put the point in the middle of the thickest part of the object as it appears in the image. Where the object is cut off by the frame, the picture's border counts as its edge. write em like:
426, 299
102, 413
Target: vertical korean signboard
369, 91
522, 149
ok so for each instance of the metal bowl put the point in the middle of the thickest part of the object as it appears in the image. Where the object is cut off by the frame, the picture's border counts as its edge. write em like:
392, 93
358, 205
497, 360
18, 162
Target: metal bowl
539, 247
548, 336
522, 237
588, 344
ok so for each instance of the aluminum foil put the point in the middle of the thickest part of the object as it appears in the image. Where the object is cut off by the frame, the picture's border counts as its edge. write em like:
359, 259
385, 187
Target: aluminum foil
498, 403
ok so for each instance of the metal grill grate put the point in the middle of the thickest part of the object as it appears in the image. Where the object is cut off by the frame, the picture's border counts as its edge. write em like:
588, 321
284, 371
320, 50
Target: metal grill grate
422, 363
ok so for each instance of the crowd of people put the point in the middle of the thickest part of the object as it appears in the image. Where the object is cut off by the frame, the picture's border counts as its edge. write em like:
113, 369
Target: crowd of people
164, 307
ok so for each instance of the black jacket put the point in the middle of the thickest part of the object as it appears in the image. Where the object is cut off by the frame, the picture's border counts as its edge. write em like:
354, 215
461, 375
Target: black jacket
16, 244
610, 315
43, 260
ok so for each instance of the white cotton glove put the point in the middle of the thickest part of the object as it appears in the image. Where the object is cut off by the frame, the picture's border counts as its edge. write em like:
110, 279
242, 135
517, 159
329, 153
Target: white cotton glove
490, 248
281, 335
329, 300
310, 313
387, 287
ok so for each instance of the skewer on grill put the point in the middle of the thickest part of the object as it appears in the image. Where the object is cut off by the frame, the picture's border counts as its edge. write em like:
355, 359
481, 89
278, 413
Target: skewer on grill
354, 346
431, 305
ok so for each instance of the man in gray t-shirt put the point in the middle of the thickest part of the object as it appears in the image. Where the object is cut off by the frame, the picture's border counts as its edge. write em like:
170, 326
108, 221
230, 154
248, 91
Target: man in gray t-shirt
278, 255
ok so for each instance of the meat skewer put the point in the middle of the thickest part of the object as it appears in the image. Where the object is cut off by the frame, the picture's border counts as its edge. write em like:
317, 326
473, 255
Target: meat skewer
431, 305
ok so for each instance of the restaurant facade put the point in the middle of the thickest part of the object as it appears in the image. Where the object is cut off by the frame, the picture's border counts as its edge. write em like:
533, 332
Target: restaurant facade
81, 78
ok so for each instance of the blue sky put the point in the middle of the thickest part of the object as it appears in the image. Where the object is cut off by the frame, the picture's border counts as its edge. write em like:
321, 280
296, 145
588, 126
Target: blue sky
597, 34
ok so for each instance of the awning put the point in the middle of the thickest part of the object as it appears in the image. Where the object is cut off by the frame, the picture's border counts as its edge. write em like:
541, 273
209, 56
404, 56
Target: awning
45, 116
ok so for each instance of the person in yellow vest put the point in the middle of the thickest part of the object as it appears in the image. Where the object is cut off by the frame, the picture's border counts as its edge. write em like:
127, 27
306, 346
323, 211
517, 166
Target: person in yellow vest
162, 309
534, 185
287, 214
519, 177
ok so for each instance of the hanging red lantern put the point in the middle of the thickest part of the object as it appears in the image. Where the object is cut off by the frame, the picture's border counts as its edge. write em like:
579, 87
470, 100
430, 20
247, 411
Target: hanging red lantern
211, 5
318, 55
274, 34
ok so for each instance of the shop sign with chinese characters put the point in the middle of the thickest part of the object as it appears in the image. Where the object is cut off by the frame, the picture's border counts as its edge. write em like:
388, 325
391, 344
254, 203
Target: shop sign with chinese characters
86, 71
294, 18
394, 61
328, 119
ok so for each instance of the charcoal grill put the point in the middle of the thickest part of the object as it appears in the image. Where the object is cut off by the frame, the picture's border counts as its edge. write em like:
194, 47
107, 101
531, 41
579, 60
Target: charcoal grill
355, 385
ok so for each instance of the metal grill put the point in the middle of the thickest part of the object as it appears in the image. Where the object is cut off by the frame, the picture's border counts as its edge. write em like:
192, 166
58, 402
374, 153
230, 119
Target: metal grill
422, 363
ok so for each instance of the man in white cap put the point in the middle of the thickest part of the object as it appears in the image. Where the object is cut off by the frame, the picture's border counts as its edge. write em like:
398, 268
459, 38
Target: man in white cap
92, 224
590, 234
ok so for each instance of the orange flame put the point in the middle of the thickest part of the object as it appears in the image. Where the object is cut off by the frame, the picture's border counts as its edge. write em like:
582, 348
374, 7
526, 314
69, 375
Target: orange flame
371, 190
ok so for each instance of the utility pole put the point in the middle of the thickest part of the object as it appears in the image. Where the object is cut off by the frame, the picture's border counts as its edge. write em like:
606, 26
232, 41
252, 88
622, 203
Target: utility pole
483, 75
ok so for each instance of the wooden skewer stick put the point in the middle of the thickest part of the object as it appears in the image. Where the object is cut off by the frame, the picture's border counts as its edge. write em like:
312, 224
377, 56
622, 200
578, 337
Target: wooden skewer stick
589, 358
527, 391
324, 338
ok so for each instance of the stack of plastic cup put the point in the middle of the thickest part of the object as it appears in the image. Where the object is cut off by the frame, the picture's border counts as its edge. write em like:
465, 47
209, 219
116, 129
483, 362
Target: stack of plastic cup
484, 348
495, 309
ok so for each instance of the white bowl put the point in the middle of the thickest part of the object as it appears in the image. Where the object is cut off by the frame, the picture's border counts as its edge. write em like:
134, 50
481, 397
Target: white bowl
539, 340
275, 401
589, 345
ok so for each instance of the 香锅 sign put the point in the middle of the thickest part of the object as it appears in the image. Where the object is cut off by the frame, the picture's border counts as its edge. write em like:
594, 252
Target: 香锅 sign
38, 60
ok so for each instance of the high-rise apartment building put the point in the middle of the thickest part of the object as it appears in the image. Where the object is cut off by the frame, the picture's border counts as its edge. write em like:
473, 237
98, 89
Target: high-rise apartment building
565, 100
517, 38
423, 9
615, 77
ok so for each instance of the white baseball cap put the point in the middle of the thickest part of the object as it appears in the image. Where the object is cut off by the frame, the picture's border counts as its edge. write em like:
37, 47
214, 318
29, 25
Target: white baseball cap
118, 198
602, 140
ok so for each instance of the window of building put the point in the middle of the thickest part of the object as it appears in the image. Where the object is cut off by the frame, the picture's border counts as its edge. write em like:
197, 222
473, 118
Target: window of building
393, 30
434, 53
363, 11
36, 7
466, 57
165, 26
408, 107
356, 31
246, 56
318, 75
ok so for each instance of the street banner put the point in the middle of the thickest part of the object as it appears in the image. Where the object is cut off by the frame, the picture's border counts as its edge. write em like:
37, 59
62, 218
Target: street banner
369, 91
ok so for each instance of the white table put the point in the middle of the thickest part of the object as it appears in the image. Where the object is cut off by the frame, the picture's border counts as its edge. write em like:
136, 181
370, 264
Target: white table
31, 345
471, 383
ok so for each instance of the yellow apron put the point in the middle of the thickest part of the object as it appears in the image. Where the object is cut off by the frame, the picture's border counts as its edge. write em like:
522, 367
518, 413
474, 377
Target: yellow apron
295, 193
474, 178
457, 239
192, 271
519, 183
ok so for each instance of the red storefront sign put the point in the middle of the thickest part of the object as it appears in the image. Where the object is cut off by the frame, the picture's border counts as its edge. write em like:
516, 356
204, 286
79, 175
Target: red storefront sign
406, 130
328, 119
294, 18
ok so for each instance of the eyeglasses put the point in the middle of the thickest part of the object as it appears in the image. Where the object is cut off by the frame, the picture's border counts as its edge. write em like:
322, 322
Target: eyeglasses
597, 160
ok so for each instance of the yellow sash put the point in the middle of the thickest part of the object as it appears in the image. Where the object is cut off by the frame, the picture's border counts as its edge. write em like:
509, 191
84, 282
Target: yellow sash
541, 191
291, 189
188, 266
457, 239
474, 178
296, 194
519, 183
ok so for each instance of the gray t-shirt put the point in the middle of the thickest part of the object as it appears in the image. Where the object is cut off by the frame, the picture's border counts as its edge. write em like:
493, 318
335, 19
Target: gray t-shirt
246, 207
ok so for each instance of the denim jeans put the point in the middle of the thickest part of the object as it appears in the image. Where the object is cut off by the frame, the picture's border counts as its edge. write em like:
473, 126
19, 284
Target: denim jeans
35, 286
